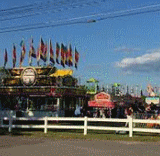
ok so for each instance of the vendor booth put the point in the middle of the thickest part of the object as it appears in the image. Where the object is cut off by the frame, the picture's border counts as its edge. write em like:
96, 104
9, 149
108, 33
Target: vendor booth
46, 91
102, 101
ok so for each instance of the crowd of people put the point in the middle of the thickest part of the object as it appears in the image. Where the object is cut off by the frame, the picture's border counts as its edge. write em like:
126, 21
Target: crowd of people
119, 111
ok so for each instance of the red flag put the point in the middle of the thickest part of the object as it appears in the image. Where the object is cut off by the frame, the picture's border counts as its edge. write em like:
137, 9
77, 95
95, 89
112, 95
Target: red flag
62, 55
14, 55
70, 55
76, 58
5, 58
51, 52
57, 52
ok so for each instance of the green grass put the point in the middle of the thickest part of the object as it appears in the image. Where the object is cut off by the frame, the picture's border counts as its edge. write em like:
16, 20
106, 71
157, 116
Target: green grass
78, 134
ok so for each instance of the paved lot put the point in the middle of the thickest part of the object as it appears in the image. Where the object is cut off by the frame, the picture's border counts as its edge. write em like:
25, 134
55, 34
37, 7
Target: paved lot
21, 145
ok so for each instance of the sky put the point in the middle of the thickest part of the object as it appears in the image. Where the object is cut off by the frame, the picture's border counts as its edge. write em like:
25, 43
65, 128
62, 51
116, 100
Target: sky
114, 49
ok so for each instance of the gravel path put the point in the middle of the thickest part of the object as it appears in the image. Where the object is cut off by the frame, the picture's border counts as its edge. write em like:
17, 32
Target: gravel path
23, 145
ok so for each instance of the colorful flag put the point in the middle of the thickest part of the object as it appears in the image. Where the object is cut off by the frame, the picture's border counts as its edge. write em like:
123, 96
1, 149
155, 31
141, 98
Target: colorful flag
70, 56
23, 51
45, 52
57, 52
51, 52
66, 56
76, 58
38, 55
42, 50
5, 58
32, 52
14, 55
62, 55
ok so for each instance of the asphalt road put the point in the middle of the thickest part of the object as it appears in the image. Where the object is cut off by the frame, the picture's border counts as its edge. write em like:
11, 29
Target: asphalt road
23, 145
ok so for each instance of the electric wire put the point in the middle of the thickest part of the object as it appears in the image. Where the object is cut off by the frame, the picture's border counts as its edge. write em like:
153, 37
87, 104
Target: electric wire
33, 11
38, 13
84, 19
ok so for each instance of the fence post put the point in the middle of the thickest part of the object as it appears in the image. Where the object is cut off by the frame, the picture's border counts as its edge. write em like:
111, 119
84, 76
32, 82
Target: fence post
45, 124
10, 122
130, 126
85, 125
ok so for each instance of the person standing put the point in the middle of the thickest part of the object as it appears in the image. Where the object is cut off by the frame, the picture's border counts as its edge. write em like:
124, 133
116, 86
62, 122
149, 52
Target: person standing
129, 113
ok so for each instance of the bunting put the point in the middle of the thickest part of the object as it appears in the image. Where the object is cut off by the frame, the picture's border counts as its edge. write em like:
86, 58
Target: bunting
62, 55
70, 61
23, 52
57, 52
51, 52
5, 57
76, 58
14, 55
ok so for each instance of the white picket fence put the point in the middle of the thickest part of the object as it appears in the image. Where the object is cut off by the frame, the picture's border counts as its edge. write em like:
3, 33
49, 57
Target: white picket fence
85, 127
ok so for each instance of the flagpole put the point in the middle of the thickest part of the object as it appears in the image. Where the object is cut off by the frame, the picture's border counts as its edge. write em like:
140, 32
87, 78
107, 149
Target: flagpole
46, 51
61, 54
49, 51
30, 58
74, 56
38, 60
5, 58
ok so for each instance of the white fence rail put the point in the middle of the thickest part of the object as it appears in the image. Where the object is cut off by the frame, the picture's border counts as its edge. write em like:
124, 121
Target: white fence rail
85, 126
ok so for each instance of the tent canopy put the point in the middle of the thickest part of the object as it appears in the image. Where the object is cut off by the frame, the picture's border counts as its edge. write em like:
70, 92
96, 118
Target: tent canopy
62, 72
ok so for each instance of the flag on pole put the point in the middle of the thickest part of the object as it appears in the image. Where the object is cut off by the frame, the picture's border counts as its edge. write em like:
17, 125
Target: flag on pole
66, 56
14, 55
51, 52
5, 58
38, 55
45, 52
57, 52
23, 52
32, 52
42, 50
70, 55
62, 55
76, 58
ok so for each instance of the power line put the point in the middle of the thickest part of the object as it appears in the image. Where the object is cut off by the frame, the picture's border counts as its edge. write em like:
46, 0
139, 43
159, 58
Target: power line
41, 26
31, 10
84, 19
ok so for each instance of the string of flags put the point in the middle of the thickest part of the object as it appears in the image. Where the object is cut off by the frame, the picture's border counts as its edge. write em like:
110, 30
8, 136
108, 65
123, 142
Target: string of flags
63, 55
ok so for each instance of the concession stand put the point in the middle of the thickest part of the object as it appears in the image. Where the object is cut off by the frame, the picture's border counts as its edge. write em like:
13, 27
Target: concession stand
102, 101
46, 91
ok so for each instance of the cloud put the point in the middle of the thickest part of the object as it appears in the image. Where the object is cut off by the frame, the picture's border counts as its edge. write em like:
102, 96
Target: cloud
125, 49
145, 63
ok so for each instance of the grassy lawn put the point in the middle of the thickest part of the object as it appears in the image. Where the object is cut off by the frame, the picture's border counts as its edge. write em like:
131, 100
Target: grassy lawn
78, 134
